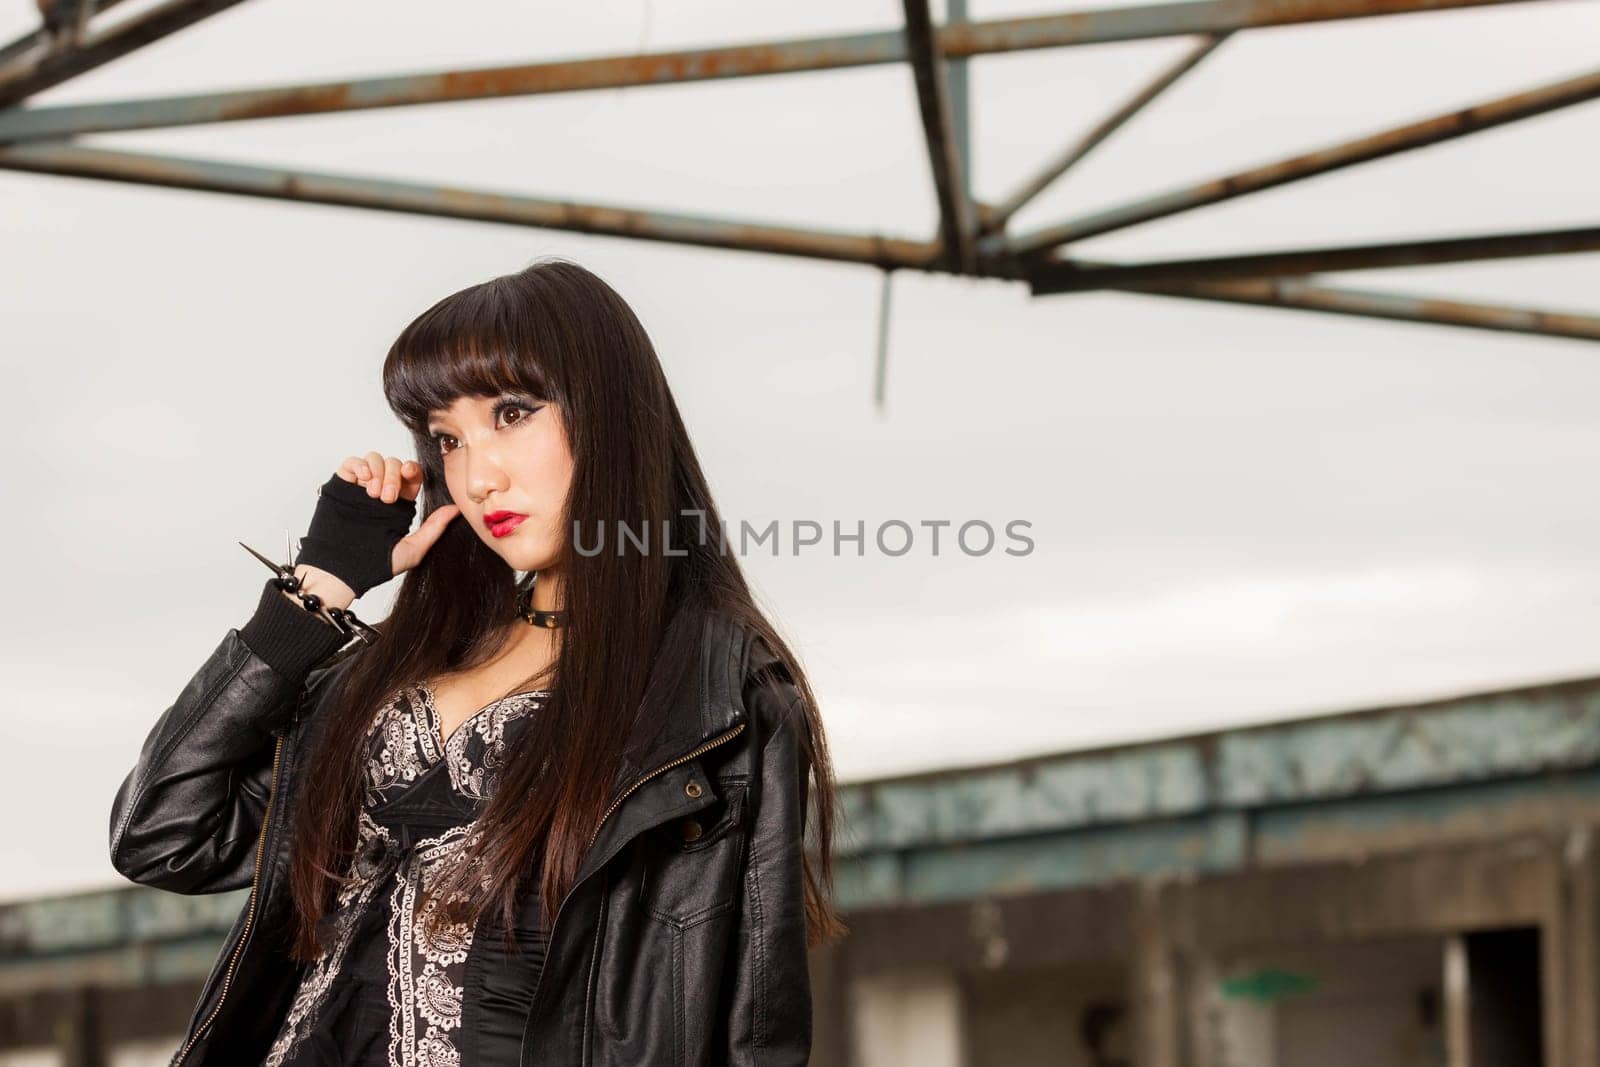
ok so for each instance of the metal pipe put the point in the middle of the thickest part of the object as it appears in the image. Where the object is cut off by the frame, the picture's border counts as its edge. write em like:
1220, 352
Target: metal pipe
691, 65
880, 373
1065, 277
957, 80
444, 201
1303, 296
1002, 212
1445, 127
35, 41
34, 70
884, 252
957, 226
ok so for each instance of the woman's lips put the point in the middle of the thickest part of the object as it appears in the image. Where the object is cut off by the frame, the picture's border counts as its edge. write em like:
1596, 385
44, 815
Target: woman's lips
502, 523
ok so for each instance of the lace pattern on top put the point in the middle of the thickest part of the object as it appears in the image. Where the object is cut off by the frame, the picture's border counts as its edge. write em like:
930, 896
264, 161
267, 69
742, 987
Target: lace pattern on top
425, 975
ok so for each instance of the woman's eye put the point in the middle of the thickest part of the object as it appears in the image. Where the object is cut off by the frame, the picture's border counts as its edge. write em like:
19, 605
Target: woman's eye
522, 411
503, 411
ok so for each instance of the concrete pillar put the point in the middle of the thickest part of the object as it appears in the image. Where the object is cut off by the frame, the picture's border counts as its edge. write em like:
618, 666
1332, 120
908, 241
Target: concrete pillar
1457, 1003
1580, 905
830, 1005
1155, 988
904, 1017
79, 1032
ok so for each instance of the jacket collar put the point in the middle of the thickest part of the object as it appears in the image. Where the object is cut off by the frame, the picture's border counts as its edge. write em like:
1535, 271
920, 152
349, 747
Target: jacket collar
702, 698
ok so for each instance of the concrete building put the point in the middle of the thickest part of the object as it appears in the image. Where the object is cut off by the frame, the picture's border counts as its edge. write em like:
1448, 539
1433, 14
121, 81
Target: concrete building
1391, 887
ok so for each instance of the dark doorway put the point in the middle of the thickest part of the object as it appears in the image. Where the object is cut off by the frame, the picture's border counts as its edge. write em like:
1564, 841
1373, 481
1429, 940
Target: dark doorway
1504, 1002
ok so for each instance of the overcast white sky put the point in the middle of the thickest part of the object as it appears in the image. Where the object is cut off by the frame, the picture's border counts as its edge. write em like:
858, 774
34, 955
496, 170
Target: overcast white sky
1238, 514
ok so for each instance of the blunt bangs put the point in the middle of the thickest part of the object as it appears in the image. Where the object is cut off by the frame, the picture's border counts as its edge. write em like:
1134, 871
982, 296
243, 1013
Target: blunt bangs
481, 341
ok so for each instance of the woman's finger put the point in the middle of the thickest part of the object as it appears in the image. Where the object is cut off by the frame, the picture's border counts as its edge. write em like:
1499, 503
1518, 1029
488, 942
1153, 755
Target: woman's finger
390, 491
409, 550
410, 479
374, 482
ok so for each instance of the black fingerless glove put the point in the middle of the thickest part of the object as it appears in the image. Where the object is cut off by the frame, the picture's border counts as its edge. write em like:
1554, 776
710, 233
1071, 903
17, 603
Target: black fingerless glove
352, 535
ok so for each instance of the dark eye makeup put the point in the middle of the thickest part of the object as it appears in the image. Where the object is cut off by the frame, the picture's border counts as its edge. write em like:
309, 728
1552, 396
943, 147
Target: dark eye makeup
501, 406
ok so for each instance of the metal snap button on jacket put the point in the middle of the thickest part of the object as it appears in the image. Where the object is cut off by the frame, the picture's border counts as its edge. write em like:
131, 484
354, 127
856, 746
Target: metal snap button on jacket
691, 830
693, 789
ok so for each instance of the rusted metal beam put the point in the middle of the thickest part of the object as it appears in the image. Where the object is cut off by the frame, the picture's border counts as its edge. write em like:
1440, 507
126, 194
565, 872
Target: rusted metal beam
880, 376
957, 81
65, 22
957, 226
887, 252
1445, 127
699, 64
449, 202
34, 70
1303, 296
37, 42
1062, 277
997, 218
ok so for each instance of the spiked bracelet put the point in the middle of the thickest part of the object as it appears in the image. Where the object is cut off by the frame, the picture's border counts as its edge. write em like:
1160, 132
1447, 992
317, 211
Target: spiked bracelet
342, 619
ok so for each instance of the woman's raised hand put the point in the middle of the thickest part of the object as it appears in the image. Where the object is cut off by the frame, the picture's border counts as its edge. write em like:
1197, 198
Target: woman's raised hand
389, 480
361, 530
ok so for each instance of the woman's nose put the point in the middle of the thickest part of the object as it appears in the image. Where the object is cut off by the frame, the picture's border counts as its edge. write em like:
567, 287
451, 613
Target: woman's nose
485, 473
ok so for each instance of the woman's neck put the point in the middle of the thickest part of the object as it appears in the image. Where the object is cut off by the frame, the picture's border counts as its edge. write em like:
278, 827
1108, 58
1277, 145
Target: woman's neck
530, 648
549, 591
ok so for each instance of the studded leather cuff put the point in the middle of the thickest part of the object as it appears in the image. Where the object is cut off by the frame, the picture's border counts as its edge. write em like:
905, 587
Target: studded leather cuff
291, 639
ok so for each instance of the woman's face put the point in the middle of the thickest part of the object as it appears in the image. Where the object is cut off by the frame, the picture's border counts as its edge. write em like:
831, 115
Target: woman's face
507, 454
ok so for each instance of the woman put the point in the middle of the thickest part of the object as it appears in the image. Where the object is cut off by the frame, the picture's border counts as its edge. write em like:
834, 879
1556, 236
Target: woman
552, 819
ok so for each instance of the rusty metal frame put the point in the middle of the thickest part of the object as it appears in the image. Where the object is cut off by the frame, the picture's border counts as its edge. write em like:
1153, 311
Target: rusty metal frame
997, 218
41, 60
1439, 128
52, 157
958, 231
1074, 276
972, 237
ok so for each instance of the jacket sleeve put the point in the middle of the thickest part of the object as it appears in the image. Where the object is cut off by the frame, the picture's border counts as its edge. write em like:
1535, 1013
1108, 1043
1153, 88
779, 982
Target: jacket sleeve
186, 817
770, 1021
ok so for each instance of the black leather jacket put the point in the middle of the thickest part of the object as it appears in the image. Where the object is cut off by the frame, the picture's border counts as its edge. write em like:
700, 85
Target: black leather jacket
672, 948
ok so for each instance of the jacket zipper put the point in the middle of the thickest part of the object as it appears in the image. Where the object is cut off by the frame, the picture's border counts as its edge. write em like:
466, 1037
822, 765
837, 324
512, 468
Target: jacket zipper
701, 750
250, 914
698, 751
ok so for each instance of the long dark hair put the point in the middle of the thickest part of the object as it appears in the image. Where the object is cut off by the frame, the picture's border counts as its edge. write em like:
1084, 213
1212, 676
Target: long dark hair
558, 333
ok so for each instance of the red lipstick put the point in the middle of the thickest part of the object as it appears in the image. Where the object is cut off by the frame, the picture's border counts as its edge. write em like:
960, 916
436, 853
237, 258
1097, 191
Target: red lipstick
502, 523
